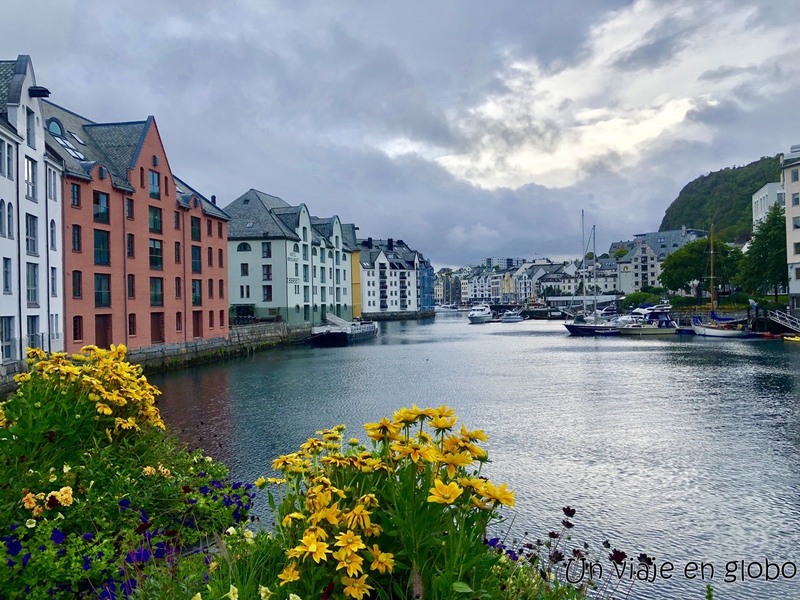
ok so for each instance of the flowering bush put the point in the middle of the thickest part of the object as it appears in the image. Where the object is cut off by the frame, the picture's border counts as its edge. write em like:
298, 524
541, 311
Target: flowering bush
93, 495
405, 517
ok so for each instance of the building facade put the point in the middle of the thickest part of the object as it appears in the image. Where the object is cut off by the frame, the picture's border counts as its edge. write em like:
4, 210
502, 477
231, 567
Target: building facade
285, 264
145, 255
31, 310
390, 276
764, 199
790, 174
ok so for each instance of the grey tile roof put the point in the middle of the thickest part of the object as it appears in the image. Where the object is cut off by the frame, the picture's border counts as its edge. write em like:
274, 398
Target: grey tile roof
6, 72
120, 141
255, 209
209, 208
664, 243
404, 259
349, 236
74, 124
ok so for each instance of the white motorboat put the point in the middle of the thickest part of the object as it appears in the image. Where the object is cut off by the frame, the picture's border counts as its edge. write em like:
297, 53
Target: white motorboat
647, 321
480, 313
512, 316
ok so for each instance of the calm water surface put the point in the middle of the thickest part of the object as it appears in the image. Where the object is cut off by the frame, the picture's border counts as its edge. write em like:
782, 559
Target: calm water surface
686, 449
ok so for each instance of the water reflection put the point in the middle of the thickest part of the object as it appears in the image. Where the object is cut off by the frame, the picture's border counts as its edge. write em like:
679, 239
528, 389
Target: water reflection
682, 448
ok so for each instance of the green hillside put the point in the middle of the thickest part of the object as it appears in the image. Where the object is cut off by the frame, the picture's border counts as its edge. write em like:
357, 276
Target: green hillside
722, 198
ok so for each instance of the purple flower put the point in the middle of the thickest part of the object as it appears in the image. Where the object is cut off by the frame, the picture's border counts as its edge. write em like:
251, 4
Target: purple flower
56, 537
617, 556
204, 489
143, 515
201, 474
13, 527
87, 564
568, 512
88, 536
10, 562
124, 504
25, 559
141, 555
13, 547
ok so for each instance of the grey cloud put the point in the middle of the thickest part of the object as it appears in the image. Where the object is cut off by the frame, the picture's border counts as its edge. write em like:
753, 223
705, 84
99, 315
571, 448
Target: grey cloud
658, 46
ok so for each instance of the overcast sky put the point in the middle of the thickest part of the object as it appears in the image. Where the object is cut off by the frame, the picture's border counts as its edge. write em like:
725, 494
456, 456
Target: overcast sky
466, 128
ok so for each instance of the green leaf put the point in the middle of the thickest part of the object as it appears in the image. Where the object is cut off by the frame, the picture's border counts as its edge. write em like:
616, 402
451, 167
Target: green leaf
461, 588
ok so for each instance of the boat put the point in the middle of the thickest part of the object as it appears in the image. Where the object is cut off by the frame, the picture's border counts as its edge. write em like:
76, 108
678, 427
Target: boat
339, 333
512, 316
596, 323
445, 308
718, 327
791, 338
480, 313
648, 321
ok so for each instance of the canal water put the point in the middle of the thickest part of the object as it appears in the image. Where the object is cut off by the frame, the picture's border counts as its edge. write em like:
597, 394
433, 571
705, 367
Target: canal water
685, 449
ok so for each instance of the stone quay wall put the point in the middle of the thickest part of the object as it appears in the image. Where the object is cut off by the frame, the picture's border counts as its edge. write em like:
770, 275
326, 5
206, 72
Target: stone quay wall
397, 316
242, 340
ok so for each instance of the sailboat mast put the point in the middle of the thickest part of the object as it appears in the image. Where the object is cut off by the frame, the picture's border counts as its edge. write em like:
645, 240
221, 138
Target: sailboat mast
711, 236
583, 264
594, 264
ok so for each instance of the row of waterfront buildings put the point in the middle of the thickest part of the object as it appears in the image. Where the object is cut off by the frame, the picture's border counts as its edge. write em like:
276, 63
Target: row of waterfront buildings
631, 265
102, 244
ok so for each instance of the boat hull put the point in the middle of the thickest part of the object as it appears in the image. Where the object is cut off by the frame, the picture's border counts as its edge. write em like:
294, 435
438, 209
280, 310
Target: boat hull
718, 332
646, 330
337, 338
478, 319
585, 329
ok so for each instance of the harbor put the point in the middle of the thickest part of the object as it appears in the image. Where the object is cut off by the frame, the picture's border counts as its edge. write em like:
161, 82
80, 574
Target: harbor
684, 448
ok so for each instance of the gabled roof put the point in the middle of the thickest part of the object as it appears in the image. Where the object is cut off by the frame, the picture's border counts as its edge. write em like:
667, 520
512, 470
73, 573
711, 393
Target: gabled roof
349, 240
121, 142
252, 216
185, 192
77, 142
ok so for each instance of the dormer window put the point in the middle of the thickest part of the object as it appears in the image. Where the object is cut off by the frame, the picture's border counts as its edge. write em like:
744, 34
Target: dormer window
55, 128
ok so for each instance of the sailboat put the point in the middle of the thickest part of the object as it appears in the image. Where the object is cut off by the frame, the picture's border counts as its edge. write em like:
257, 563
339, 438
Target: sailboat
718, 327
593, 324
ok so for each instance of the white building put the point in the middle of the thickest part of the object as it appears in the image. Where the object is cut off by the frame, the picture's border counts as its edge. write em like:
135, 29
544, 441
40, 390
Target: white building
284, 263
389, 278
31, 311
641, 266
763, 199
790, 175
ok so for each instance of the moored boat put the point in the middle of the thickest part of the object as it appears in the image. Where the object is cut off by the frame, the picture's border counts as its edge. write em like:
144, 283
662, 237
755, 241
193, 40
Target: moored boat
511, 316
648, 321
340, 333
480, 313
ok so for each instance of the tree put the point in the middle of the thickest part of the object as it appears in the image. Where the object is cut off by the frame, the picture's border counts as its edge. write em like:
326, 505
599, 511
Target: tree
763, 268
691, 263
620, 252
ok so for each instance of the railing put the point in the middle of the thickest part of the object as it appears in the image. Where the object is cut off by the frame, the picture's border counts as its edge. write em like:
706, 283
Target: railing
784, 319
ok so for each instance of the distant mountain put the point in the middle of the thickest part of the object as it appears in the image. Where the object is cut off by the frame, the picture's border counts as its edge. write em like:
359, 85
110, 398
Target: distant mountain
723, 198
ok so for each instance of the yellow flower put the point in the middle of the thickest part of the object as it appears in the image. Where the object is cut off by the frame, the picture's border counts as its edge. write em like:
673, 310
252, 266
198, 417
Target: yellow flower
473, 436
443, 423
65, 496
22, 377
350, 541
499, 495
354, 441
260, 482
289, 574
30, 523
287, 520
358, 517
415, 451
313, 547
373, 530
294, 597
383, 429
405, 416
443, 411
381, 561
148, 471
349, 561
356, 588
459, 459
233, 593
197, 596
444, 494
264, 592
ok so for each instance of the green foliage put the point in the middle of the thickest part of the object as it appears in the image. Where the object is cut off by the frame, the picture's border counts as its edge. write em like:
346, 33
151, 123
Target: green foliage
763, 267
92, 501
691, 263
639, 298
620, 252
723, 198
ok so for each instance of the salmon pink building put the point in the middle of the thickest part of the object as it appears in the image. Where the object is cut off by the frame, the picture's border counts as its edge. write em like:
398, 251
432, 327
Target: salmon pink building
145, 255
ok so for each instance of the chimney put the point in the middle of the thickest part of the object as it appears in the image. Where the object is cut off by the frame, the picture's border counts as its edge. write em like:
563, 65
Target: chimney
683, 230
213, 199
391, 244
369, 243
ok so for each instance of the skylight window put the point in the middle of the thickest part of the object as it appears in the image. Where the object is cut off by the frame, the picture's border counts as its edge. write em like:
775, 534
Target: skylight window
249, 225
79, 140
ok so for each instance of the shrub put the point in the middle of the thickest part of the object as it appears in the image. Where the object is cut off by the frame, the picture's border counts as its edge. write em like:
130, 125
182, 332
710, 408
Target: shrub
93, 494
